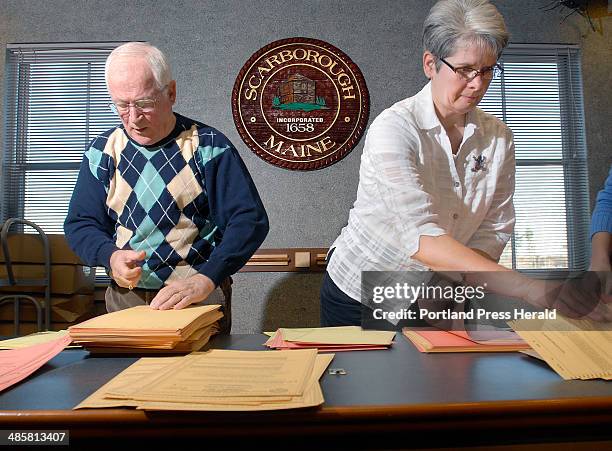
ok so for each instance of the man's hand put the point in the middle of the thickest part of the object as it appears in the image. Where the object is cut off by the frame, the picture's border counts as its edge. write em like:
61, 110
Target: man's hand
179, 294
125, 268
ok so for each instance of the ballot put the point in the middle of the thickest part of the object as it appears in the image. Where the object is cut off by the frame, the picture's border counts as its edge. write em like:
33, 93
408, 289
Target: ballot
145, 330
435, 340
217, 380
17, 364
312, 396
230, 374
129, 381
32, 339
330, 339
575, 349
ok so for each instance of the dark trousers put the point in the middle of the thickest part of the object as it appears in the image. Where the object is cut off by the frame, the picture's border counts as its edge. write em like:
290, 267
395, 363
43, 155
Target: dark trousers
337, 308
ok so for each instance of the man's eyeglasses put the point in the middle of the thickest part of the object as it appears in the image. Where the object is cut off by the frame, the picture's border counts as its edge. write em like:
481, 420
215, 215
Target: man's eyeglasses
469, 73
142, 105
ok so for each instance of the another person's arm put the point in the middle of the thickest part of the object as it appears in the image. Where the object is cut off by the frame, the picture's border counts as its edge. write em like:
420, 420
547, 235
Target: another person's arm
601, 243
601, 228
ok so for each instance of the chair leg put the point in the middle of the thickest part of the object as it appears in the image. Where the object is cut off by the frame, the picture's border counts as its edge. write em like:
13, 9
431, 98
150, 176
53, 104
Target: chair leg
16, 298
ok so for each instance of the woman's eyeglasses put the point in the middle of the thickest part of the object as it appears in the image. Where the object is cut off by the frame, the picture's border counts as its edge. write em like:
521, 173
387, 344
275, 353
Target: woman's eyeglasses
469, 73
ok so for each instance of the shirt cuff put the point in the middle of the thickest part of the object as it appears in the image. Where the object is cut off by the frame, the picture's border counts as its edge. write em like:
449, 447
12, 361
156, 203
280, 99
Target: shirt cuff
492, 244
601, 223
105, 252
413, 238
215, 270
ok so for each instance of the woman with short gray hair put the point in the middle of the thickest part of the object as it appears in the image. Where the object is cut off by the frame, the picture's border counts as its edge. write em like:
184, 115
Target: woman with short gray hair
473, 22
437, 173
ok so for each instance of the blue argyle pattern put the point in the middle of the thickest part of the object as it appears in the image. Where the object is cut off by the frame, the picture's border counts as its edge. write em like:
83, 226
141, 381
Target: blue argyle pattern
157, 197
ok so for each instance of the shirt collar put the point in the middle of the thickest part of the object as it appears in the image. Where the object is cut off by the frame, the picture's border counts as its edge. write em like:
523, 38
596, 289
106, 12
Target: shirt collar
426, 116
428, 119
472, 124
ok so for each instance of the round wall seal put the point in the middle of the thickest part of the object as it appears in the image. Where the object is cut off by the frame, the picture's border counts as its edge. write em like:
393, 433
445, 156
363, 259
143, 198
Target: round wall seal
300, 104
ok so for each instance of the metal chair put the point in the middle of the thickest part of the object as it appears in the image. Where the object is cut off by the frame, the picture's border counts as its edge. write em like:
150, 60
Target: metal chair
11, 281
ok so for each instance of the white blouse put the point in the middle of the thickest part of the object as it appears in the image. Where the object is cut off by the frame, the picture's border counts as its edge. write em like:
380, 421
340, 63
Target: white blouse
411, 184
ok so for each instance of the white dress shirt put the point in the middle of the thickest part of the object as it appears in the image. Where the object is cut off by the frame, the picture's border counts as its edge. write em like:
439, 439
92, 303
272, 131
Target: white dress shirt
411, 184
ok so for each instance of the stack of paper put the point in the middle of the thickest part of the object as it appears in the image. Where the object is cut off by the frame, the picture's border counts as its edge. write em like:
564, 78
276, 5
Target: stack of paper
462, 341
217, 380
575, 349
17, 364
143, 329
331, 339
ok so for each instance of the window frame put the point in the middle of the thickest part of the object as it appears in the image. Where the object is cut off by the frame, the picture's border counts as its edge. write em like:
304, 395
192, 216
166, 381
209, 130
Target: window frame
573, 159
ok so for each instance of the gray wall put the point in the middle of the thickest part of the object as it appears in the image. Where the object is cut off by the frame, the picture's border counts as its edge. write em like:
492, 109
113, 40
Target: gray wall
209, 41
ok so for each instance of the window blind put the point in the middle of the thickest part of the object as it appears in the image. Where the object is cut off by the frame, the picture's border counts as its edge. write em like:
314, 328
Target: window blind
56, 102
539, 97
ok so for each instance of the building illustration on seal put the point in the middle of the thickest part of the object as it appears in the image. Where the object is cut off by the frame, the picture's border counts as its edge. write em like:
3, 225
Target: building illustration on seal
298, 93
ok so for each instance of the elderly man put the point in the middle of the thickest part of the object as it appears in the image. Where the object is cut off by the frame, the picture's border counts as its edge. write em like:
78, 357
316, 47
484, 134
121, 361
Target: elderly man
162, 201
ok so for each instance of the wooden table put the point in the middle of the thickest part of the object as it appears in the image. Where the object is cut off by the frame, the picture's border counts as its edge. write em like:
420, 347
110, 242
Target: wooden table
395, 398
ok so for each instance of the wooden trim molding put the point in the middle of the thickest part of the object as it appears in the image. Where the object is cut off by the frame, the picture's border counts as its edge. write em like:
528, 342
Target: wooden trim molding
291, 259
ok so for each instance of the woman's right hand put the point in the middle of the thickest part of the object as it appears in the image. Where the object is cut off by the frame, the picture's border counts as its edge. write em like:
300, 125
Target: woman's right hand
578, 298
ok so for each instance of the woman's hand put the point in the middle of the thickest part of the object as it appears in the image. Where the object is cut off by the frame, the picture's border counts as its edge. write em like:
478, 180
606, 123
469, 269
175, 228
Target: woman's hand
578, 298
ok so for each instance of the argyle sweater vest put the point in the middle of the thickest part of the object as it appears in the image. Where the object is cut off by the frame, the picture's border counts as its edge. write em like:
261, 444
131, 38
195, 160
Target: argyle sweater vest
160, 200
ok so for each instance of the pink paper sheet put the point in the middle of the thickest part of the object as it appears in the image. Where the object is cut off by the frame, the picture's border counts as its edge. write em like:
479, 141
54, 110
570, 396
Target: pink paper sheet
17, 364
276, 342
